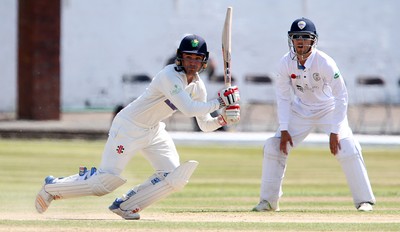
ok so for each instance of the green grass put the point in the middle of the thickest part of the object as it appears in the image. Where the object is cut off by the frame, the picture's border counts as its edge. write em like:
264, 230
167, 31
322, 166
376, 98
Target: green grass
219, 197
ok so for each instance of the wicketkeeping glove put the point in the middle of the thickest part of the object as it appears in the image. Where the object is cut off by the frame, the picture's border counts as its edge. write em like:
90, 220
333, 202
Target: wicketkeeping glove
228, 96
230, 115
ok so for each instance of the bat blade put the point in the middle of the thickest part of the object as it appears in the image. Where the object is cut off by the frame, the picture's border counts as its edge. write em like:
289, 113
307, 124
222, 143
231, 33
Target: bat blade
226, 47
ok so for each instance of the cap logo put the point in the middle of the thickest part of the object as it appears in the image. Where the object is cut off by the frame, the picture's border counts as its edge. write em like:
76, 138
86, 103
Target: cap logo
195, 43
301, 25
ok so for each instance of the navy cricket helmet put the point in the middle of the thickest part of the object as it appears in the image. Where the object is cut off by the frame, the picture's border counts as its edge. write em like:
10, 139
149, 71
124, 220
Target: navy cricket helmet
303, 26
192, 44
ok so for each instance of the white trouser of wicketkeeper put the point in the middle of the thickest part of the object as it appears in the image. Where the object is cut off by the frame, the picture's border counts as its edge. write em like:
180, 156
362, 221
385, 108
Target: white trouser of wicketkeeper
349, 157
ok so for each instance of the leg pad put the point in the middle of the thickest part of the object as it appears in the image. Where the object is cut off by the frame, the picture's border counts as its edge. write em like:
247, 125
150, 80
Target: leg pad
150, 193
97, 185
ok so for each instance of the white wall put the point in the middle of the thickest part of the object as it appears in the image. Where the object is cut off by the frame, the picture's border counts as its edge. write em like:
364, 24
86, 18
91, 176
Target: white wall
8, 55
104, 39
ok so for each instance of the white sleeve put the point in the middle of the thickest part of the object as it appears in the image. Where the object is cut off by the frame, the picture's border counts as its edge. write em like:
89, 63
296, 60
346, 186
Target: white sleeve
206, 122
283, 94
173, 89
339, 92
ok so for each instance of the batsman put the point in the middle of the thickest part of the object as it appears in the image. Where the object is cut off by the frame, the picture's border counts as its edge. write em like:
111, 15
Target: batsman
311, 93
139, 128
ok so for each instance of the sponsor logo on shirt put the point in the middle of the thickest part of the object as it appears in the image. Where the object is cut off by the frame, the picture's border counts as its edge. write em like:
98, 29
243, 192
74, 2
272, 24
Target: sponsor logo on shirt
177, 89
306, 88
312, 88
337, 75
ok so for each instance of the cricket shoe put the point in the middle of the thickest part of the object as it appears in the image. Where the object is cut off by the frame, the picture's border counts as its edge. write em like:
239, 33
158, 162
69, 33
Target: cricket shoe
365, 207
43, 198
125, 214
264, 205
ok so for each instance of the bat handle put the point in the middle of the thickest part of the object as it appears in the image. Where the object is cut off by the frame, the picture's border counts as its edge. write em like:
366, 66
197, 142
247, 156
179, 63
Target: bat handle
227, 76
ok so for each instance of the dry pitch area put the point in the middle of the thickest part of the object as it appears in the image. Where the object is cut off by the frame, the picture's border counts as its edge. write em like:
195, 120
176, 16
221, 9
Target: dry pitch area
97, 218
264, 217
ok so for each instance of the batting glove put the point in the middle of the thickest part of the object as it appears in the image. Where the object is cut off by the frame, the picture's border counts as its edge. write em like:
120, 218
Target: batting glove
228, 96
230, 115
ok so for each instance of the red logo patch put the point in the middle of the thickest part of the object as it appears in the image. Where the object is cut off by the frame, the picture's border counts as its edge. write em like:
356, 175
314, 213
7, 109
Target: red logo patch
120, 149
293, 76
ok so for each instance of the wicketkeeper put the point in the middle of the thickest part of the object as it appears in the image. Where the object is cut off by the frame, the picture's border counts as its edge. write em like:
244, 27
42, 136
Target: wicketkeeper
138, 128
311, 93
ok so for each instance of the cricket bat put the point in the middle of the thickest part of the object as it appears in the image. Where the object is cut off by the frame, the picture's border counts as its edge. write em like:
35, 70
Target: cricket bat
226, 47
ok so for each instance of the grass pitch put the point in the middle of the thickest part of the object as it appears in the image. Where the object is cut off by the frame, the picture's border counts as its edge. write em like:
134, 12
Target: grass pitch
219, 197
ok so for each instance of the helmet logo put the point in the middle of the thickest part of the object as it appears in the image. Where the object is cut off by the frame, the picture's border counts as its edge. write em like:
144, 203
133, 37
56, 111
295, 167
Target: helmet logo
195, 43
301, 25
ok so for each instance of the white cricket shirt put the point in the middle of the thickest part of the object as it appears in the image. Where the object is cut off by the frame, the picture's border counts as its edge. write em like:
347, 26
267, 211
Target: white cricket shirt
167, 93
318, 88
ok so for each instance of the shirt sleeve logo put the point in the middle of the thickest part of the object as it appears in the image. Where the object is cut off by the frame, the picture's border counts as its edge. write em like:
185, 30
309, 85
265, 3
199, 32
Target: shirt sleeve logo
337, 75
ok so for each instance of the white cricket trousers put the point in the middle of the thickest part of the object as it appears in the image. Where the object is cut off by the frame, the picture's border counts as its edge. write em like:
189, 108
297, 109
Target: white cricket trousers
126, 138
349, 157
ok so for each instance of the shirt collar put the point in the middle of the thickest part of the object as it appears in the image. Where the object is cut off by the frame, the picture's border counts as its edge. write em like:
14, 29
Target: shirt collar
184, 77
